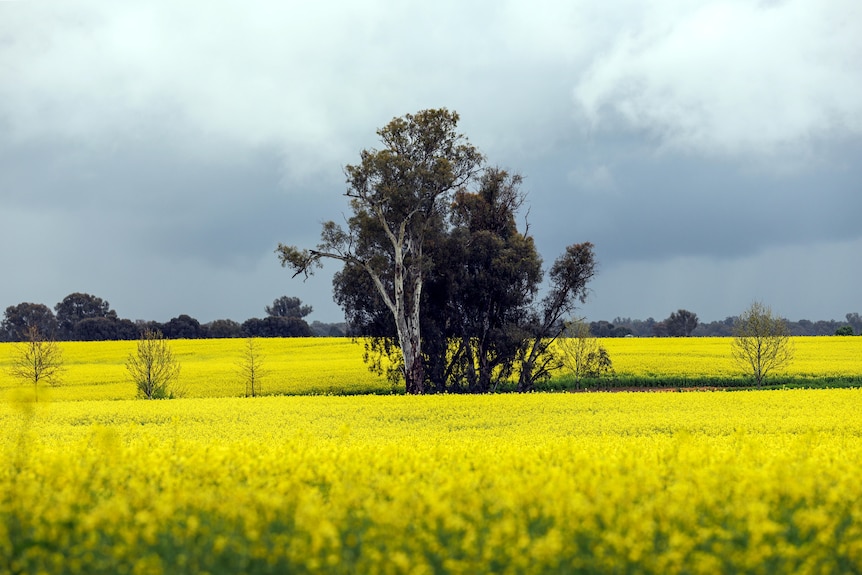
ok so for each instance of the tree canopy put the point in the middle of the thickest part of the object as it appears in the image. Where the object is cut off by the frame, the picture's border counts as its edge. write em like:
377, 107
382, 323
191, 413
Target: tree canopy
18, 320
681, 323
287, 306
78, 306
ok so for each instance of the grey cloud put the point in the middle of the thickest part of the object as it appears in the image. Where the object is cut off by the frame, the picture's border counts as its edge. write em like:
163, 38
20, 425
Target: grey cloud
176, 144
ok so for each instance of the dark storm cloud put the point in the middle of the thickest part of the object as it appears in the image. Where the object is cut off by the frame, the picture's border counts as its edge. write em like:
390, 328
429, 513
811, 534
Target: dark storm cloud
152, 200
155, 153
650, 208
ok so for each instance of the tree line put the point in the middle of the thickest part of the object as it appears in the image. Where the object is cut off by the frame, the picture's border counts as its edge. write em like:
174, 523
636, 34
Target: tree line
684, 323
85, 317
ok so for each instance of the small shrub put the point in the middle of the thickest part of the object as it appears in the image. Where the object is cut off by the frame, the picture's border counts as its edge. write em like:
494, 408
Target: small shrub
153, 368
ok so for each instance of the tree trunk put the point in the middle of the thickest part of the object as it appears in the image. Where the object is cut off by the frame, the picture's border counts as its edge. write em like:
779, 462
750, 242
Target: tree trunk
411, 348
407, 322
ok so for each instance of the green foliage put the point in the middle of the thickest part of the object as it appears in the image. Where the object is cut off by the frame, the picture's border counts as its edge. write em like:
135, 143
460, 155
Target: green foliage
276, 326
19, 318
222, 328
681, 323
78, 306
598, 364
844, 330
183, 327
286, 306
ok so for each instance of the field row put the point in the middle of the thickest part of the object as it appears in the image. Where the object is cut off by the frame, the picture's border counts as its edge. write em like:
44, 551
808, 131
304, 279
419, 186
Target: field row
753, 482
210, 368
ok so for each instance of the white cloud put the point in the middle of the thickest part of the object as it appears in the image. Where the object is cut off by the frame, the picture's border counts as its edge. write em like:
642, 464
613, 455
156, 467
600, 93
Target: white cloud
313, 79
732, 77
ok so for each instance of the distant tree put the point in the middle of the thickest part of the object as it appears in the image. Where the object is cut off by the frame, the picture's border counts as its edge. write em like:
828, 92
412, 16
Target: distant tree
104, 329
823, 327
37, 360
321, 329
621, 331
153, 368
80, 306
144, 325
598, 364
721, 328
183, 327
221, 328
251, 367
855, 322
844, 330
659, 329
18, 319
273, 326
640, 328
761, 342
286, 306
681, 323
601, 328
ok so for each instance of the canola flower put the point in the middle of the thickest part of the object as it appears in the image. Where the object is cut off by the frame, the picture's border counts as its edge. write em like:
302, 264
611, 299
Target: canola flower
754, 482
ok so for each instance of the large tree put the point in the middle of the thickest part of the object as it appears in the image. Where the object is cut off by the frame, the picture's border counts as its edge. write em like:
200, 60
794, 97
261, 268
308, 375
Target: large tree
399, 195
480, 323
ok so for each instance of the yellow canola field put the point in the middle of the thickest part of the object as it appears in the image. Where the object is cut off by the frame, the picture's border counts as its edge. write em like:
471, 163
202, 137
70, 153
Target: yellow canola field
210, 367
722, 482
711, 357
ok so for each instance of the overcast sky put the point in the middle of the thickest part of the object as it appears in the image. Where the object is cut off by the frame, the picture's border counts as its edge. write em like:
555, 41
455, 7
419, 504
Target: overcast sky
155, 153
